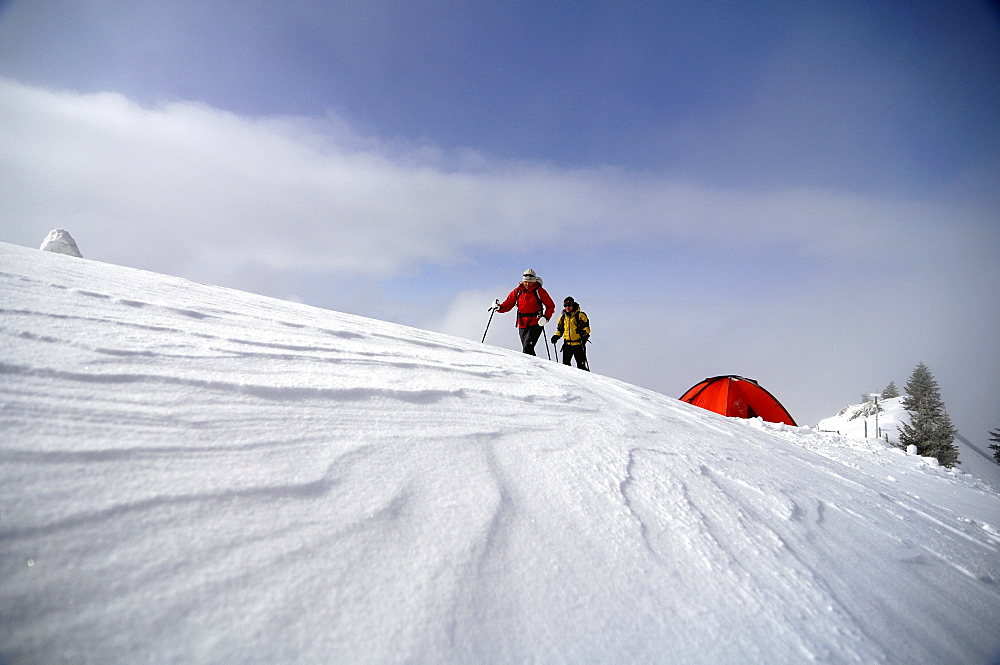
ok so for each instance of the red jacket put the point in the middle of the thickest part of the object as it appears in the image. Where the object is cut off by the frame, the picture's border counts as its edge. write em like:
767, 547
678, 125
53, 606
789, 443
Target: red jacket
531, 300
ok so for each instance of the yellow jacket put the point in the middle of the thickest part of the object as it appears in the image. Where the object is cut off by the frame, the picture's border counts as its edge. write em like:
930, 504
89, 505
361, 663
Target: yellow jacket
573, 326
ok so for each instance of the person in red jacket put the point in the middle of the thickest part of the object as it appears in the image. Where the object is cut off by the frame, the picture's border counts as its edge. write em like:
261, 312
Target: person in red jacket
534, 309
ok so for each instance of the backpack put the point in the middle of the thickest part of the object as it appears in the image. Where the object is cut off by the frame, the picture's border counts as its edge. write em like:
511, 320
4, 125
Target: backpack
541, 306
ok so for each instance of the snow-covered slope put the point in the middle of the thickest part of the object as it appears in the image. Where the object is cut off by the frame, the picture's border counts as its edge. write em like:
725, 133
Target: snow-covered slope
196, 475
859, 420
862, 420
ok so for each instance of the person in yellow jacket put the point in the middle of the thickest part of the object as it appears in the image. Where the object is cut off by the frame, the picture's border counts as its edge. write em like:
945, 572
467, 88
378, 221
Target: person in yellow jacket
574, 328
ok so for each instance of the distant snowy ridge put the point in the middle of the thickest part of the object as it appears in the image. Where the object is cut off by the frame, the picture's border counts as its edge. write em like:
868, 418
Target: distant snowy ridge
858, 420
195, 474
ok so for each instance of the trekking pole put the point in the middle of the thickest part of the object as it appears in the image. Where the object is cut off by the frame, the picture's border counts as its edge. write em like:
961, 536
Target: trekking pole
546, 340
493, 310
586, 357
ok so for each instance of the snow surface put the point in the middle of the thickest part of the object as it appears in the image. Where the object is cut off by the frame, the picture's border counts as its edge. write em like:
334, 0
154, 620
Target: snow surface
192, 474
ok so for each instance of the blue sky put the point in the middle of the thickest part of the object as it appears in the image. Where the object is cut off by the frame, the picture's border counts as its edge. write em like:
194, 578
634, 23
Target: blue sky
802, 192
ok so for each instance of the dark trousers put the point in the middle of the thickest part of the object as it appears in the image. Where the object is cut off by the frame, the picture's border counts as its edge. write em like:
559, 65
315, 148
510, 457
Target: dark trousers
578, 351
529, 337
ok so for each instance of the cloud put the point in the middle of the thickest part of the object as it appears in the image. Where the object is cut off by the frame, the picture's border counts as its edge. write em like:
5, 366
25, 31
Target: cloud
181, 186
467, 316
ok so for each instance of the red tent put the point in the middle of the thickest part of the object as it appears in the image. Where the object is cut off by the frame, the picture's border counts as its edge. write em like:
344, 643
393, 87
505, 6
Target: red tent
737, 397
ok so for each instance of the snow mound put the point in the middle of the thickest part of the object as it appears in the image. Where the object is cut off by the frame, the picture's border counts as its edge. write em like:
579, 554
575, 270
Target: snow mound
60, 242
194, 474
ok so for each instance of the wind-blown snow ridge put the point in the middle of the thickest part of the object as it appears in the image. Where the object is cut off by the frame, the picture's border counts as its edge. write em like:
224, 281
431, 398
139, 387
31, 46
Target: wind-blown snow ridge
194, 474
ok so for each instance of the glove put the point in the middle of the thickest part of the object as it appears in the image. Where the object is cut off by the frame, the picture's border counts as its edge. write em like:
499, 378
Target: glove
496, 305
542, 321
555, 338
585, 339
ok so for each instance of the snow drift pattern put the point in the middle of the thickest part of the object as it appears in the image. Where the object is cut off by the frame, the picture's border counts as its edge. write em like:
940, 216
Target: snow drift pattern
192, 474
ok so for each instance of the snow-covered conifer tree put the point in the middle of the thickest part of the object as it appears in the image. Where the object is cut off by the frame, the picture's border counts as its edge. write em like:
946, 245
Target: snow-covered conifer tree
930, 428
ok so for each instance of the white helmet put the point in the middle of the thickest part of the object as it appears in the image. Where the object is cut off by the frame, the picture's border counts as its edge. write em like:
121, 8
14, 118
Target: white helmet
530, 276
